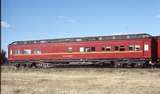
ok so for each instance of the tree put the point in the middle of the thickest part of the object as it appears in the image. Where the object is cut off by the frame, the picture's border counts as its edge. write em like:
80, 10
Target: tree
4, 59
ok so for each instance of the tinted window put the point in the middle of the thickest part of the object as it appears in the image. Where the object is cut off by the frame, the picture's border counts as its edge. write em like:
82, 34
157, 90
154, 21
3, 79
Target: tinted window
26, 51
103, 48
17, 52
37, 51
137, 47
116, 48
93, 49
108, 48
122, 48
69, 49
131, 48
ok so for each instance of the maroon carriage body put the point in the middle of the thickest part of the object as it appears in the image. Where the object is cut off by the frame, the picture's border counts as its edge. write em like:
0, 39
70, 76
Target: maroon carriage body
158, 49
88, 48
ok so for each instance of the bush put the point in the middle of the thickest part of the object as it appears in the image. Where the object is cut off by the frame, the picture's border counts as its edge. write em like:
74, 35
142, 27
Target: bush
4, 59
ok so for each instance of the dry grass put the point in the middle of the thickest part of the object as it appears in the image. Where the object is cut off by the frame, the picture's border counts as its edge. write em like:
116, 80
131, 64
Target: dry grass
80, 81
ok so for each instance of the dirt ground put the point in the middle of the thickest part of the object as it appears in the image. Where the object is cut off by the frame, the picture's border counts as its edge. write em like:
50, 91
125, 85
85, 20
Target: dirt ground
80, 81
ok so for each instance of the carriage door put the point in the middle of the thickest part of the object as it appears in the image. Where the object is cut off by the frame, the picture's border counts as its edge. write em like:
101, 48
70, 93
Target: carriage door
146, 49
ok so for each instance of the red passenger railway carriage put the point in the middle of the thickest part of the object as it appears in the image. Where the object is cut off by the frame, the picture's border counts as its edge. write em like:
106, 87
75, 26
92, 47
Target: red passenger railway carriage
158, 49
132, 49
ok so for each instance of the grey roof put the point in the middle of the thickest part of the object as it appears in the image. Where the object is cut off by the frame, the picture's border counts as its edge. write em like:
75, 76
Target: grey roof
93, 38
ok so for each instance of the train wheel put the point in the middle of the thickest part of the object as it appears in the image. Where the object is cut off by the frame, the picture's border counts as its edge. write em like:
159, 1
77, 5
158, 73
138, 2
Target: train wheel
112, 64
24, 65
117, 65
33, 65
124, 65
137, 65
132, 65
17, 66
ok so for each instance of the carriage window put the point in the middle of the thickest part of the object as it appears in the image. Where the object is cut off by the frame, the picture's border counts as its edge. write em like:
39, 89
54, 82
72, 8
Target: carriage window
17, 52
69, 50
87, 49
81, 49
146, 47
131, 47
10, 52
108, 48
122, 48
116, 48
137, 47
93, 49
37, 51
26, 51
103, 48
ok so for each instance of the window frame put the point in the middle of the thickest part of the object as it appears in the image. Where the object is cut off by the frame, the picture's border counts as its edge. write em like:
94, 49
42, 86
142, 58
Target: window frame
69, 50
11, 52
93, 49
27, 51
17, 52
37, 51
116, 48
122, 48
81, 49
138, 46
131, 47
105, 48
87, 49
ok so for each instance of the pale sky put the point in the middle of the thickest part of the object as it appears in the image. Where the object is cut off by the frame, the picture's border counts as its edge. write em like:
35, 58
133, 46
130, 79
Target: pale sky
48, 19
